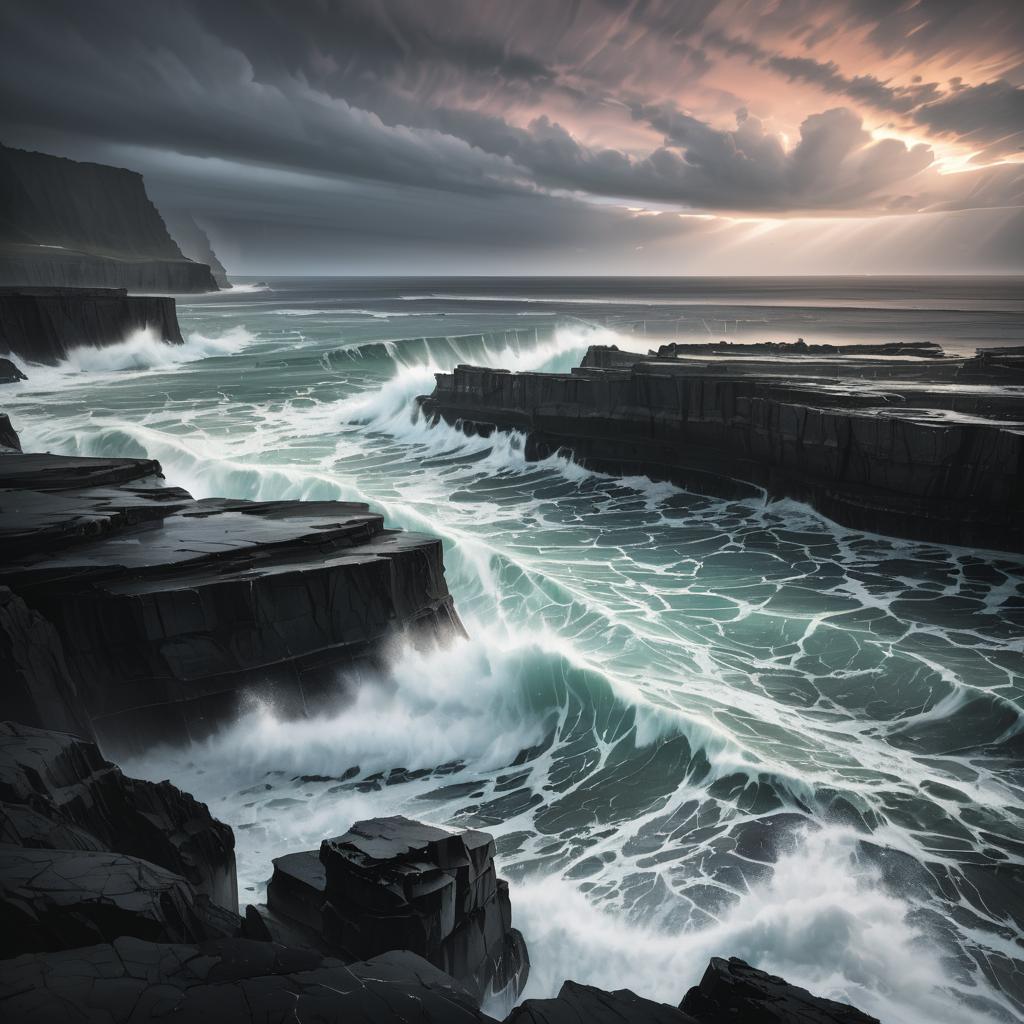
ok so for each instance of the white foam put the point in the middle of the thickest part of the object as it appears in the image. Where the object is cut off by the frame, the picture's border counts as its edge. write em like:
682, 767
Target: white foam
145, 350
823, 920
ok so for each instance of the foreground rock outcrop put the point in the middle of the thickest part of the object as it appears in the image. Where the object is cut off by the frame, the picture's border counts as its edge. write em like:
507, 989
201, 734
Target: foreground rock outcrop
878, 443
393, 883
64, 223
231, 981
173, 613
42, 325
117, 903
732, 990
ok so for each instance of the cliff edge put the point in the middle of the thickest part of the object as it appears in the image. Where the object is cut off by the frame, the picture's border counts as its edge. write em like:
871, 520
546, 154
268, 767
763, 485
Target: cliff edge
64, 223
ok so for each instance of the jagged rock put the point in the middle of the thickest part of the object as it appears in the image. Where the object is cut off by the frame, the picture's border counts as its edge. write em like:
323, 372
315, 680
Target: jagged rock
59, 899
84, 225
44, 324
231, 981
888, 457
731, 990
38, 689
58, 791
9, 372
9, 440
583, 1004
393, 883
173, 612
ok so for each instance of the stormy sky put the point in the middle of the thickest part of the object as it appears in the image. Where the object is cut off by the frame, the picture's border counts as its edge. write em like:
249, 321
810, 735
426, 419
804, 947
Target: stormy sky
557, 136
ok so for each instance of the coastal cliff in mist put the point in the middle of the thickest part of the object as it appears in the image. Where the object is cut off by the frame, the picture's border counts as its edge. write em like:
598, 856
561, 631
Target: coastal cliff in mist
194, 242
70, 224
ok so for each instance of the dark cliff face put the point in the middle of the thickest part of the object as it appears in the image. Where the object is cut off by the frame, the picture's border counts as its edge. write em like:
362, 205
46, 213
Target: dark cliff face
916, 459
42, 325
75, 224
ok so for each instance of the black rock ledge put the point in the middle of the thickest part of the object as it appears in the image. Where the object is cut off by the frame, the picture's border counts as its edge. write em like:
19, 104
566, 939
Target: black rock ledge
135, 612
891, 441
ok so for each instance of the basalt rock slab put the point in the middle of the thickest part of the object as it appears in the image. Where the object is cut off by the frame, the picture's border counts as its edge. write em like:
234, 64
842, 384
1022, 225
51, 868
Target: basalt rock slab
58, 792
731, 990
174, 613
584, 1004
895, 457
393, 883
59, 899
231, 981
42, 325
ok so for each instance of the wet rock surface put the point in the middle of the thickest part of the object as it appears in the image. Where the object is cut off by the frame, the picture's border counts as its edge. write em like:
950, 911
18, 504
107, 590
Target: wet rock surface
58, 792
732, 990
879, 443
394, 883
584, 1004
173, 612
43, 325
228, 981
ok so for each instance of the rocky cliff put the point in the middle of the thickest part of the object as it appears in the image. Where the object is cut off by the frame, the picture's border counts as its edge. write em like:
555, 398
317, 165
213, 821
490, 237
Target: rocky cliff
69, 224
172, 612
886, 453
41, 325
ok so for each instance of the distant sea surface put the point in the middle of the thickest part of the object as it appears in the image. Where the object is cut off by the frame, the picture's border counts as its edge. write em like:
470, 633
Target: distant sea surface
696, 727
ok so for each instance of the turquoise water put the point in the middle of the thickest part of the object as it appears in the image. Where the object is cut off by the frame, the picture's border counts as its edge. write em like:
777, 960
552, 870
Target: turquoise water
697, 727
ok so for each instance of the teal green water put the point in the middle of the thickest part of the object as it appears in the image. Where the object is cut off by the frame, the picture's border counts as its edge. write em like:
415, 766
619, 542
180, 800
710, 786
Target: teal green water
697, 727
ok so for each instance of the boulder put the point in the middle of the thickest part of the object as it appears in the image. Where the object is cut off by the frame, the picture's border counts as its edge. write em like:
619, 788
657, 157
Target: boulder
230, 981
57, 791
393, 883
584, 1004
731, 990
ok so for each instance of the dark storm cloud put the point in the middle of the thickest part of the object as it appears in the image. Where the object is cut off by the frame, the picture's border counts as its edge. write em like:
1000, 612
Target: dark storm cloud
519, 119
990, 115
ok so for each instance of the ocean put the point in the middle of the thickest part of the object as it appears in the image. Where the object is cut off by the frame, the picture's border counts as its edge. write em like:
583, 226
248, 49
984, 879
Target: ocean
695, 726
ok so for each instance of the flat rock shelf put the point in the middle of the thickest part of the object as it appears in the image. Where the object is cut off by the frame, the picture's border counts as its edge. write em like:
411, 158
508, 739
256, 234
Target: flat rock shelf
172, 613
896, 441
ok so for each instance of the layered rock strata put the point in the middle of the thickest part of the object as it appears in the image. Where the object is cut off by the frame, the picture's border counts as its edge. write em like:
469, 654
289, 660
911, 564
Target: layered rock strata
42, 325
898, 456
173, 613
393, 883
